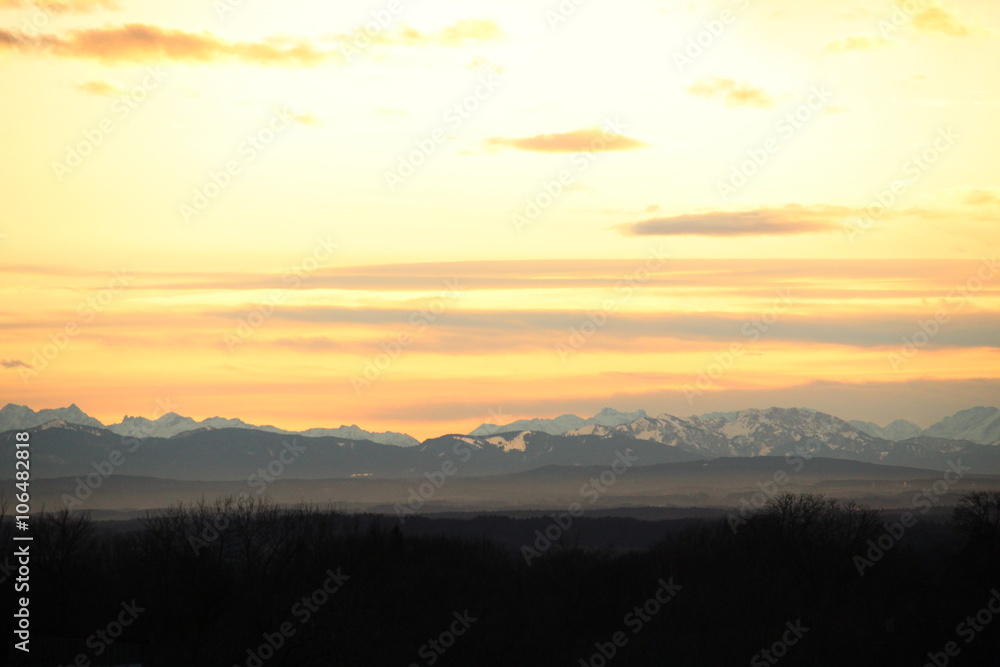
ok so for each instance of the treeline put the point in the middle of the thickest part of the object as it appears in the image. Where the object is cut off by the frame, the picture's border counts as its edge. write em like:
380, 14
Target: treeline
805, 581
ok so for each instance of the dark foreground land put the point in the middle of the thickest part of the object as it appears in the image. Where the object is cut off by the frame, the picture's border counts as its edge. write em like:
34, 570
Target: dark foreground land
806, 581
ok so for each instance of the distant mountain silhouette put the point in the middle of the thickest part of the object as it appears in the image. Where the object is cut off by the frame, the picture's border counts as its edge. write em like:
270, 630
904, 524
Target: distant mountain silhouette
62, 449
981, 425
20, 417
563, 424
735, 433
897, 430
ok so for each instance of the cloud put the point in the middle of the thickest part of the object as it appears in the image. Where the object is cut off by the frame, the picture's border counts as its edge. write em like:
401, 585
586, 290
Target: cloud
479, 64
982, 198
937, 19
99, 88
440, 340
790, 219
738, 276
469, 31
13, 363
9, 40
61, 6
306, 119
142, 43
310, 344
593, 140
856, 43
637, 332
931, 19
733, 93
457, 34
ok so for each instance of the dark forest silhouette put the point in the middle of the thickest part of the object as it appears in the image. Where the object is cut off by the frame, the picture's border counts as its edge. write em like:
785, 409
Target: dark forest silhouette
214, 580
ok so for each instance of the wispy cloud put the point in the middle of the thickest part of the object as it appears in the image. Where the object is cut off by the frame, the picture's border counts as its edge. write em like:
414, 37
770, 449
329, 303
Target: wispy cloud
594, 140
982, 198
459, 33
790, 219
938, 19
637, 331
13, 363
928, 17
306, 119
856, 43
62, 6
100, 88
143, 43
732, 93
548, 273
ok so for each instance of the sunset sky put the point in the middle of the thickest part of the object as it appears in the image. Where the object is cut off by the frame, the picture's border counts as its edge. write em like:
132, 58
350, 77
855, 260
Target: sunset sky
422, 216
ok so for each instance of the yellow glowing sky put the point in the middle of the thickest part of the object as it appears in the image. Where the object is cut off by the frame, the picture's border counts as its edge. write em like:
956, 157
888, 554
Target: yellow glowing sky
268, 299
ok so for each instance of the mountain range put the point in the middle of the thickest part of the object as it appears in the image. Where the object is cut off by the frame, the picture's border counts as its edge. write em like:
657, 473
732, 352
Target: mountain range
205, 452
21, 417
562, 424
980, 425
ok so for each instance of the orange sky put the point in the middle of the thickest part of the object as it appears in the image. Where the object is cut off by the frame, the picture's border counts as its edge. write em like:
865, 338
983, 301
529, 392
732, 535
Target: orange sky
421, 218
